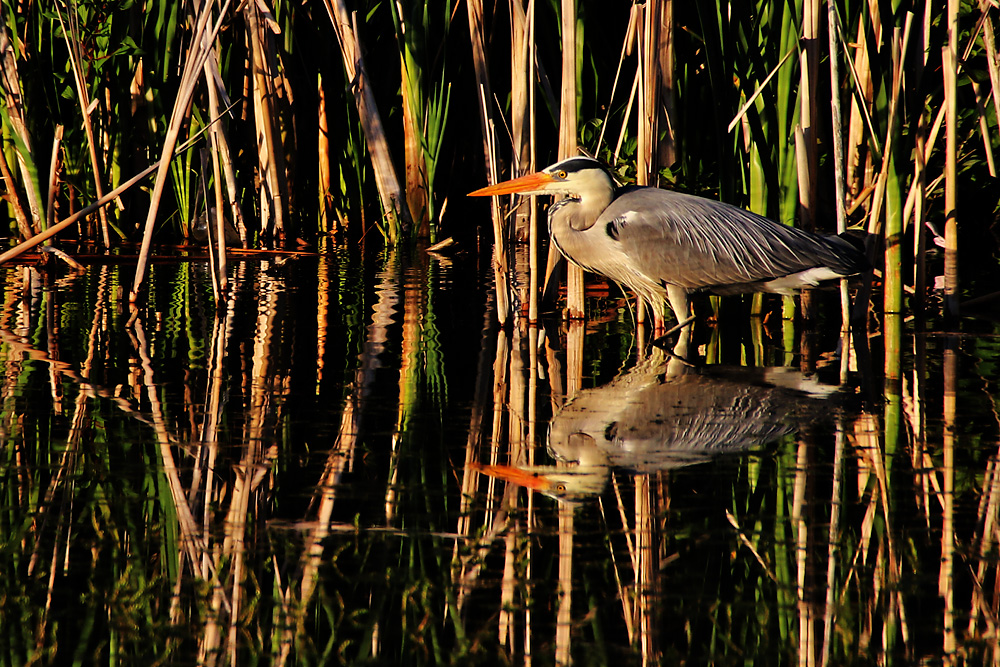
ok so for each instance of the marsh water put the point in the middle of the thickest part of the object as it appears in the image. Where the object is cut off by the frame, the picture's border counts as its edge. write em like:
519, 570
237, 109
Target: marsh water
350, 461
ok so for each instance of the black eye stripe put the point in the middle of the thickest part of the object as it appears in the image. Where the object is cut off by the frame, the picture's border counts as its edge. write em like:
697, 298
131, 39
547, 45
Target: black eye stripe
578, 164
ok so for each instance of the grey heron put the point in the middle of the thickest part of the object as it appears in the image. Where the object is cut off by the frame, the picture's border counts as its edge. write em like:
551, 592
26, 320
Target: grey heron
666, 245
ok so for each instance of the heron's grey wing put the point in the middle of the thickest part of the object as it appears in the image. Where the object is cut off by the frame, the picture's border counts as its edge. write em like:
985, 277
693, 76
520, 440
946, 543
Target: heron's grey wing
694, 242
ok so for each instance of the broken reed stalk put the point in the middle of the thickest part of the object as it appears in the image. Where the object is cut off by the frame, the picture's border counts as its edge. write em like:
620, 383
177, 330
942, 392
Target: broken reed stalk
197, 53
72, 37
391, 194
568, 141
30, 243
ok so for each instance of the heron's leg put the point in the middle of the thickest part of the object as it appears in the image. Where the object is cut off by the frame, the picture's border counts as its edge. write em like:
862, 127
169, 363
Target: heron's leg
681, 306
683, 339
679, 302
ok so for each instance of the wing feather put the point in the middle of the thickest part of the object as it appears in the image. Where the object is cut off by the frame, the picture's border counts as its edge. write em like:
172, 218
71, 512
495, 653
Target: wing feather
699, 243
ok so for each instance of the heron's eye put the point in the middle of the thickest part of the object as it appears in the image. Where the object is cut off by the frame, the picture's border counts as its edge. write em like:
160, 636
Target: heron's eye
560, 488
562, 175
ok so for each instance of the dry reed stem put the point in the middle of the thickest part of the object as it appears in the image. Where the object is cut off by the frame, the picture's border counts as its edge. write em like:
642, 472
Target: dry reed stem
809, 73
217, 98
323, 150
500, 268
522, 51
629, 34
415, 167
220, 158
53, 181
265, 118
196, 55
13, 198
648, 78
950, 72
10, 83
738, 118
860, 126
390, 193
567, 139
30, 243
533, 233
71, 36
837, 136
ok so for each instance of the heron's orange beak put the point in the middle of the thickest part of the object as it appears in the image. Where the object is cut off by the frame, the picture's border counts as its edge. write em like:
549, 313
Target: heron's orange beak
532, 182
518, 476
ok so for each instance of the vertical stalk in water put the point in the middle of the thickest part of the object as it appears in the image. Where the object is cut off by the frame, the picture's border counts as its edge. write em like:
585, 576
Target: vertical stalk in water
568, 141
949, 68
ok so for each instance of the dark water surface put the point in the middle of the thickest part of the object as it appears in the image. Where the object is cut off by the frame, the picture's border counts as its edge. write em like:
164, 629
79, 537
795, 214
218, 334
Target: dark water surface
351, 463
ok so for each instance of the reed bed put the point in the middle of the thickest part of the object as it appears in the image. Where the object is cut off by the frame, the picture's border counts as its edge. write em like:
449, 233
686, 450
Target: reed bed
724, 101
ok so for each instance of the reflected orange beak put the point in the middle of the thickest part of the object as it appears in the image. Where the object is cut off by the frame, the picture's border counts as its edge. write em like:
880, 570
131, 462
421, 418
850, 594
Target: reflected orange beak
532, 182
517, 476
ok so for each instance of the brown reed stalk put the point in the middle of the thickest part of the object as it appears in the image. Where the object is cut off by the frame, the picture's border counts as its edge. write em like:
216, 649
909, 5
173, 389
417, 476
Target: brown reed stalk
71, 34
53, 181
837, 139
270, 154
391, 194
858, 164
568, 141
14, 199
474, 11
646, 131
217, 99
10, 85
193, 64
949, 67
323, 150
522, 51
30, 243
809, 79
415, 168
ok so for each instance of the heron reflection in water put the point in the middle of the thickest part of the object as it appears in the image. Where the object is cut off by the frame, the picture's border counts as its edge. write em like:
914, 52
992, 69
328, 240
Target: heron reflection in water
663, 414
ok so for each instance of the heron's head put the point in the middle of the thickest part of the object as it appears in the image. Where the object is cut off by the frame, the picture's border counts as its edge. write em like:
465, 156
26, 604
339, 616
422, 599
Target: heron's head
575, 176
